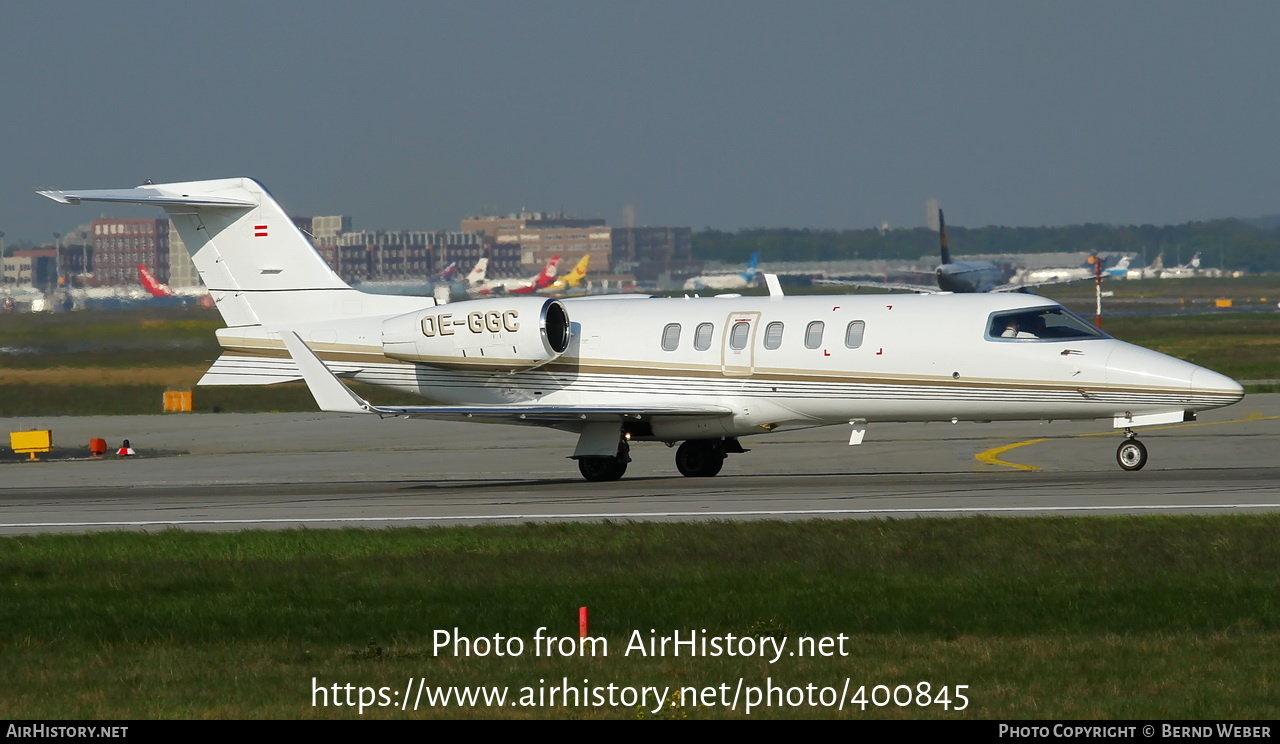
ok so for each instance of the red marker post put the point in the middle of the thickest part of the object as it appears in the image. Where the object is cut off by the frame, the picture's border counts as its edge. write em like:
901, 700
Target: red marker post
1097, 288
582, 622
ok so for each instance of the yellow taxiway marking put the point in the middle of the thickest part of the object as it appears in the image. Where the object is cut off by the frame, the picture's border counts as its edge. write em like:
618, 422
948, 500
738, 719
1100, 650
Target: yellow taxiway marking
992, 456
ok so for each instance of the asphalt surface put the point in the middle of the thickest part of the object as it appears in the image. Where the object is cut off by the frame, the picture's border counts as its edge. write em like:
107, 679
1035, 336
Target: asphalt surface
271, 471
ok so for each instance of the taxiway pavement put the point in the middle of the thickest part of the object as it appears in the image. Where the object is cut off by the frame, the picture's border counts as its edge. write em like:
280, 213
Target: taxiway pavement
264, 471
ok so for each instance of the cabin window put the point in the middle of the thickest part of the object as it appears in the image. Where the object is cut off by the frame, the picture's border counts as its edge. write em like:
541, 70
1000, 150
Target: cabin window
853, 334
813, 335
738, 336
773, 335
702, 337
671, 337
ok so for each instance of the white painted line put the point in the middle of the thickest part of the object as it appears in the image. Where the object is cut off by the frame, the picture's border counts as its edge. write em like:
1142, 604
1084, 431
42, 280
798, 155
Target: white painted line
644, 515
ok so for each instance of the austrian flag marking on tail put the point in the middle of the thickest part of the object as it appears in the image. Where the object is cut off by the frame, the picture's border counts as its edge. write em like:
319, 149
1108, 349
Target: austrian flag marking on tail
259, 231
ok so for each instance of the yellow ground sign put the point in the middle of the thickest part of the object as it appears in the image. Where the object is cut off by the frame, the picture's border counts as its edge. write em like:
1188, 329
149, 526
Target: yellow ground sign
177, 401
31, 442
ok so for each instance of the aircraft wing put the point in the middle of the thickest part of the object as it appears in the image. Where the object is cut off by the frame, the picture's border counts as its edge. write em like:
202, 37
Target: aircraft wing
920, 288
333, 396
1047, 282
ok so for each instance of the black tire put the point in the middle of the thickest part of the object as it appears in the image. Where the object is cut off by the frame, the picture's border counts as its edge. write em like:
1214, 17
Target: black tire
1132, 454
700, 458
602, 468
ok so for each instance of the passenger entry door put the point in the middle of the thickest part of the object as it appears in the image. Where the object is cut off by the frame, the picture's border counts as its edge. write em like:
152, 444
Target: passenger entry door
738, 352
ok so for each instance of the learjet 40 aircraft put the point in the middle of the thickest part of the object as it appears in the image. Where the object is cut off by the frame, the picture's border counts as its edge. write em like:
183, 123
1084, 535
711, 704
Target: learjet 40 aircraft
703, 372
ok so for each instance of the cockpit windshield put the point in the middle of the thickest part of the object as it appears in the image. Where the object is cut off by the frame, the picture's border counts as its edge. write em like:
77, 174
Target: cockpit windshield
1041, 324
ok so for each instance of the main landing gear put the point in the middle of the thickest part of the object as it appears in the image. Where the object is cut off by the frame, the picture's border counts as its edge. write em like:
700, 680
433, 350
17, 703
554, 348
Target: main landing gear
1132, 454
703, 458
696, 458
606, 468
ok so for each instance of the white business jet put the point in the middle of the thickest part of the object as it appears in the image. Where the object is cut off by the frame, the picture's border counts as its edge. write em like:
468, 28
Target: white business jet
614, 369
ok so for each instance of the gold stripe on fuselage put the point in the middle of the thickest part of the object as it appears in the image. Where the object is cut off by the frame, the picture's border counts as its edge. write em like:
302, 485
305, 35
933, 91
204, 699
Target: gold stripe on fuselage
351, 353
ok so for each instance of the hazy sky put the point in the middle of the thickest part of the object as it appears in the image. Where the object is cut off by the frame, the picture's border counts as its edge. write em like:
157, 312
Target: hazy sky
729, 114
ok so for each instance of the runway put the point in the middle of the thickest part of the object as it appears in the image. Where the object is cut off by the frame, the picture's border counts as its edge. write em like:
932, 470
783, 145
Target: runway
269, 471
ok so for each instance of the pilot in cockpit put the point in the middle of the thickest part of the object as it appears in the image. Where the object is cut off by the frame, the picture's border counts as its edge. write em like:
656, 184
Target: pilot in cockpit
1018, 326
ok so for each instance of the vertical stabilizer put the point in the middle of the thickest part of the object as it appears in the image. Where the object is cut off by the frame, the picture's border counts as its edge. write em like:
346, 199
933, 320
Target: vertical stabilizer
477, 275
579, 272
259, 268
548, 273
942, 233
151, 284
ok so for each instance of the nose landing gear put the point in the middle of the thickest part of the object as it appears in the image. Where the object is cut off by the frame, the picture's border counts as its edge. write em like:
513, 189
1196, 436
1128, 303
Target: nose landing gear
1132, 454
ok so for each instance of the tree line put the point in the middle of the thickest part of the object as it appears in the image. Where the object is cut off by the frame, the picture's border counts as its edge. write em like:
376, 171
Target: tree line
1229, 244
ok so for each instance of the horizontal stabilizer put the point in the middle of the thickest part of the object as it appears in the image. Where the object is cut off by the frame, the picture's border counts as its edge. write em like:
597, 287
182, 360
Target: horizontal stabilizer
231, 369
147, 195
237, 369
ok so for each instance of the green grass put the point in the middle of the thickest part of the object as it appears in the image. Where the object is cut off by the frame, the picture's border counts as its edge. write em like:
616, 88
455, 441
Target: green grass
110, 328
1245, 289
1123, 617
1243, 346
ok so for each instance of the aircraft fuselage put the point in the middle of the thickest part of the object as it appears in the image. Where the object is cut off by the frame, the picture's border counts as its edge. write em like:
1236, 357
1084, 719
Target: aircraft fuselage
778, 363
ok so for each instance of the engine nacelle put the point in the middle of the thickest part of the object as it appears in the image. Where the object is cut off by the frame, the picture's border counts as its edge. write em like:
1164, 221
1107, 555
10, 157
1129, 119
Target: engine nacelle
507, 333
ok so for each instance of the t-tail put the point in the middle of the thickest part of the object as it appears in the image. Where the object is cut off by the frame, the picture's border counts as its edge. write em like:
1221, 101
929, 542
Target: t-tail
259, 268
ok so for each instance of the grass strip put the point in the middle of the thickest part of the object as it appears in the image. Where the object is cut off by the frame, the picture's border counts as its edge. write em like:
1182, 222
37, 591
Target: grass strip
1106, 617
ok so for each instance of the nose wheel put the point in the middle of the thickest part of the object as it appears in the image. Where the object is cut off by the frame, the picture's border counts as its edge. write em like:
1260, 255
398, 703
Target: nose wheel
1132, 454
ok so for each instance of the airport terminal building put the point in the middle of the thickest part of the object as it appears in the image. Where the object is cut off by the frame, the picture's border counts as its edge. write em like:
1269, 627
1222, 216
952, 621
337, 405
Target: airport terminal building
110, 251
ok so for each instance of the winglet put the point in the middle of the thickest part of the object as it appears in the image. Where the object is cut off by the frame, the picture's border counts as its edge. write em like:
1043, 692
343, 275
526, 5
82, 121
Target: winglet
330, 394
775, 287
